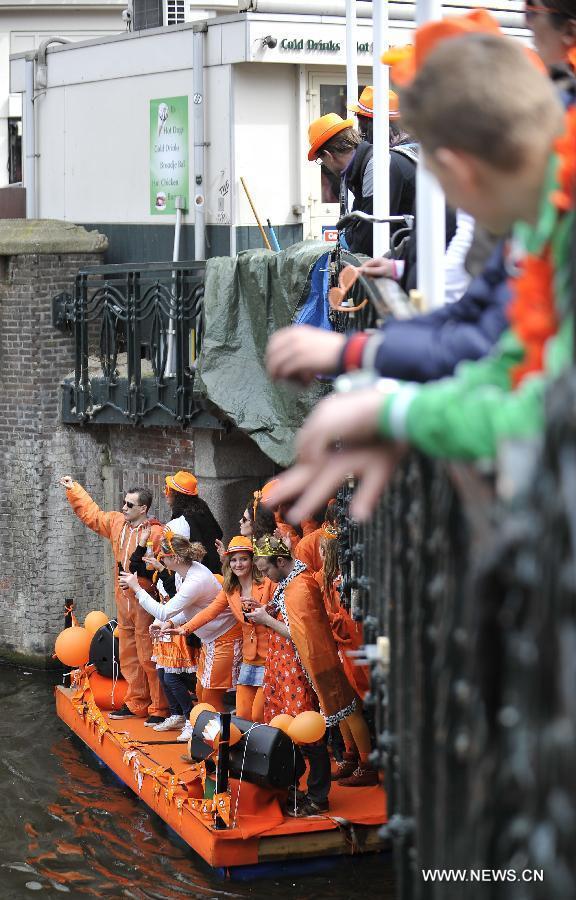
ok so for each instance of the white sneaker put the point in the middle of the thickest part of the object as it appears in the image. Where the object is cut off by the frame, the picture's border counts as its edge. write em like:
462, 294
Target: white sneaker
172, 723
186, 733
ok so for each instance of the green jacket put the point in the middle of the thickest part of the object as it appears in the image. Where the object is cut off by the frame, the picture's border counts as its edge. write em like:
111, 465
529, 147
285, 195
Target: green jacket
468, 415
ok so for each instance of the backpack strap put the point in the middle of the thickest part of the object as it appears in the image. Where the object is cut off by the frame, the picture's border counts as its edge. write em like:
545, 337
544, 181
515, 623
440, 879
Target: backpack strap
409, 151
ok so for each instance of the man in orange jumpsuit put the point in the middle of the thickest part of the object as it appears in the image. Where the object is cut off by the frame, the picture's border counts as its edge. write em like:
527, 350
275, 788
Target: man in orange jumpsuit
145, 696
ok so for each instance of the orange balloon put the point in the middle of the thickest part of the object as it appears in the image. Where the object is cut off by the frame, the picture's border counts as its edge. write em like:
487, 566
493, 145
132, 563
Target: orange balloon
307, 728
116, 633
235, 736
95, 620
196, 710
107, 694
73, 646
282, 722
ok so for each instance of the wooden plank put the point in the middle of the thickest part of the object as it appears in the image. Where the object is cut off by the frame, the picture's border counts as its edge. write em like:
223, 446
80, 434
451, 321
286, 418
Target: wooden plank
321, 843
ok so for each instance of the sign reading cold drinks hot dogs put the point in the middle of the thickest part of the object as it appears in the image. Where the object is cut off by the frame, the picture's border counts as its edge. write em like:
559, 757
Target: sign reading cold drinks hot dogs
168, 154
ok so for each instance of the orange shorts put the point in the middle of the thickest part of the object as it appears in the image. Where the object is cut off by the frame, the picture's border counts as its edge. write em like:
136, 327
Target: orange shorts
220, 661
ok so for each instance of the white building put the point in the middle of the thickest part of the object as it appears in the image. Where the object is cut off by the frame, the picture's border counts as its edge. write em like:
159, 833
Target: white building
23, 26
263, 77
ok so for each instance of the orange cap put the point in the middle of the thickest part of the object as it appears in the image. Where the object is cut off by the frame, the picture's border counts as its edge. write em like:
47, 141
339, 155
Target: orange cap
322, 129
365, 104
238, 544
406, 62
183, 483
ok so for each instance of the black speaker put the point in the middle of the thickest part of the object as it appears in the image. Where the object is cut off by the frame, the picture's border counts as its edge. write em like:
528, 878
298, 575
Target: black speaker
105, 651
270, 758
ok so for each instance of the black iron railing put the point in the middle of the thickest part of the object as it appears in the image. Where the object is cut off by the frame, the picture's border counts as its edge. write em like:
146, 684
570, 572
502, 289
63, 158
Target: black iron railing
138, 333
407, 575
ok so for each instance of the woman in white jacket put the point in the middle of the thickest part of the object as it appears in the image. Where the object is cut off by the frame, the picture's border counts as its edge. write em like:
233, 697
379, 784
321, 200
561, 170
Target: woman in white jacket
196, 587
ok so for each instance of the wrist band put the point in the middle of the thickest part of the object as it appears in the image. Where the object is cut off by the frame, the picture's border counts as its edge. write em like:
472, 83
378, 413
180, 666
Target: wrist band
352, 355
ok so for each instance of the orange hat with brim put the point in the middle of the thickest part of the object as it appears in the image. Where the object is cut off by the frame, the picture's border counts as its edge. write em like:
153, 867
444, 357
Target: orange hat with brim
322, 129
239, 544
365, 104
183, 483
406, 62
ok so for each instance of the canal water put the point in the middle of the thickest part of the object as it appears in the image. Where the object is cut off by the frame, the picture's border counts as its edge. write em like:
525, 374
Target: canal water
68, 827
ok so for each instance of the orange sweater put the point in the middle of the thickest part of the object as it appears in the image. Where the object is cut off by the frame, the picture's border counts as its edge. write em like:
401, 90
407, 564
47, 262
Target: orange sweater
312, 636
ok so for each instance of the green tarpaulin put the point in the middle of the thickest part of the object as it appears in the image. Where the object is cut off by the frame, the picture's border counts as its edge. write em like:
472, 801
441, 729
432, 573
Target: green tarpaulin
246, 299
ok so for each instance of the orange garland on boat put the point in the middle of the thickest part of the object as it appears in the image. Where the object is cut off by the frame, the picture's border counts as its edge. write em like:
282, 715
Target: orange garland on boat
532, 312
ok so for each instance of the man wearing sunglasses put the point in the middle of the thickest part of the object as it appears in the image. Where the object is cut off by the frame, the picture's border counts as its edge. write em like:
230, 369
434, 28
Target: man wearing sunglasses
145, 697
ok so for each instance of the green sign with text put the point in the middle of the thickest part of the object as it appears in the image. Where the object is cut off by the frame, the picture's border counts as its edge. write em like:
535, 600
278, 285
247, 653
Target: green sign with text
168, 154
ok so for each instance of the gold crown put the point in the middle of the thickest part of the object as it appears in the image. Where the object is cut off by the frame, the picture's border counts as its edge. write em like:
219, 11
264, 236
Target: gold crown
269, 545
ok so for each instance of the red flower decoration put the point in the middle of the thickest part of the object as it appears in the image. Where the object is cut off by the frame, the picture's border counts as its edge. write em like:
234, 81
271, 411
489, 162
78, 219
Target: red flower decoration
532, 312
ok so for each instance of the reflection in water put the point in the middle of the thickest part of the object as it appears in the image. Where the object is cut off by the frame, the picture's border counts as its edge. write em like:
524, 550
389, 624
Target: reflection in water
69, 826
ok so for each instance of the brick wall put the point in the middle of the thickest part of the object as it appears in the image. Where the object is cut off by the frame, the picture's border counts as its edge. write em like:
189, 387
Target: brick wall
47, 554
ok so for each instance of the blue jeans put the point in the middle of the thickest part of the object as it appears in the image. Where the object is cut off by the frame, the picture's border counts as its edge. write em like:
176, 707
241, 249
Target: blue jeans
175, 686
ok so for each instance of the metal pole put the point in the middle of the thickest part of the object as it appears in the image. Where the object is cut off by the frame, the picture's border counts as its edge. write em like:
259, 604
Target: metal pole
351, 54
29, 140
381, 78
199, 141
223, 763
430, 208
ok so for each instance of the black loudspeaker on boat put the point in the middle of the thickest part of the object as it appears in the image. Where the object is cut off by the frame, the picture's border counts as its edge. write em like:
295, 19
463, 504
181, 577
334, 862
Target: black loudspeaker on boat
270, 759
105, 651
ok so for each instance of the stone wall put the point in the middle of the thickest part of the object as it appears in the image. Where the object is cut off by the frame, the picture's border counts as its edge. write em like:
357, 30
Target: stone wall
47, 554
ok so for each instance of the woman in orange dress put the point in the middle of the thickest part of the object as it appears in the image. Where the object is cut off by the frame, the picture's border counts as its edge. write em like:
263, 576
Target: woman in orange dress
354, 770
243, 590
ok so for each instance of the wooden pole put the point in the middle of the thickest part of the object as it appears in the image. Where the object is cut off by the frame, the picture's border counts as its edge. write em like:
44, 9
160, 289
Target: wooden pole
250, 201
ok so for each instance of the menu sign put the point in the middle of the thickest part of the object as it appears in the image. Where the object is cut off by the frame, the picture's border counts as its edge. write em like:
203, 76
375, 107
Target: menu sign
168, 154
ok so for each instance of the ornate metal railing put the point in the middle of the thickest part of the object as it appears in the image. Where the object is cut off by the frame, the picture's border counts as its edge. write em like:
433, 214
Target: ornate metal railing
476, 711
138, 332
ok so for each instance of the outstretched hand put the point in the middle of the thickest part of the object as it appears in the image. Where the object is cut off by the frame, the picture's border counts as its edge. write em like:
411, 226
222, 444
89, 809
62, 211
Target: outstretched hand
301, 352
311, 484
67, 481
381, 267
128, 580
339, 440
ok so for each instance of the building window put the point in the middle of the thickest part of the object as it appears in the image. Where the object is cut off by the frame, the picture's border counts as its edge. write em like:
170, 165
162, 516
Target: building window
147, 14
14, 150
174, 12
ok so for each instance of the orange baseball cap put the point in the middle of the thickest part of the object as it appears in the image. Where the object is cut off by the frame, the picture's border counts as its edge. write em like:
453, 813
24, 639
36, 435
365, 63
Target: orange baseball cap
406, 62
239, 544
183, 483
365, 104
322, 129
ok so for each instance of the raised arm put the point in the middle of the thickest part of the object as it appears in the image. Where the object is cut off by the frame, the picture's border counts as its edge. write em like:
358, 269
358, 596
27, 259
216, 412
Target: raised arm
87, 509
